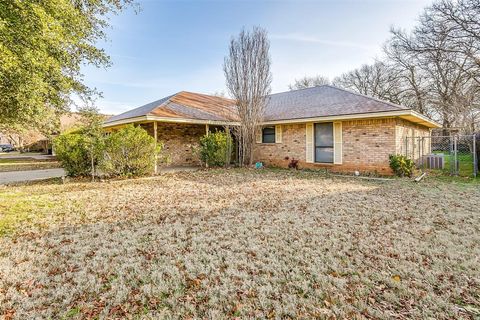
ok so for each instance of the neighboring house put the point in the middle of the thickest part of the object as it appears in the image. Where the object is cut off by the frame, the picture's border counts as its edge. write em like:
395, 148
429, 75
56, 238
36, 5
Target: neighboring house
321, 127
34, 140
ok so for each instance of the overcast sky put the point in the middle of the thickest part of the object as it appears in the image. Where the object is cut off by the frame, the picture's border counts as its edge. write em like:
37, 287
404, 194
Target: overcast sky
170, 46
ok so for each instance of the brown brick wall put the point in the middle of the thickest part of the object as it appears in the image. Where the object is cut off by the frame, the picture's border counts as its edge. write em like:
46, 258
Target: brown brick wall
366, 145
292, 146
179, 141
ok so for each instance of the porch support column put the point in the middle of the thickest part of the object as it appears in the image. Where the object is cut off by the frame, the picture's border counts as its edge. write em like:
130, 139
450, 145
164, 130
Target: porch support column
156, 137
207, 129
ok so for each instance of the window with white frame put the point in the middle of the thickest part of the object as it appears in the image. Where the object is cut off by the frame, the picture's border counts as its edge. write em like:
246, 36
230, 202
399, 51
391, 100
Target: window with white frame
268, 134
324, 144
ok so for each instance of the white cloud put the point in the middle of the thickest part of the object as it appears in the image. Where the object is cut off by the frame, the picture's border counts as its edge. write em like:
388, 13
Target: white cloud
312, 39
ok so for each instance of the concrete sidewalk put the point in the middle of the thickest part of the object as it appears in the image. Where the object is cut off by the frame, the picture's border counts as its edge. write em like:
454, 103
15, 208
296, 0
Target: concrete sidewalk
30, 175
19, 156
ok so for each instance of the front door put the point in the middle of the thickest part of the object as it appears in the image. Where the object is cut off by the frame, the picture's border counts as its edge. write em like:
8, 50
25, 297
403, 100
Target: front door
324, 142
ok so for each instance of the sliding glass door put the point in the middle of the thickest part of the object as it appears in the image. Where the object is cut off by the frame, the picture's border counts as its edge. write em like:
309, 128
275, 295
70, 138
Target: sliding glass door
324, 142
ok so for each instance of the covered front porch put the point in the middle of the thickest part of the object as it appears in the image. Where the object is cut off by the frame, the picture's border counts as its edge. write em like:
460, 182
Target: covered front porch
180, 141
178, 122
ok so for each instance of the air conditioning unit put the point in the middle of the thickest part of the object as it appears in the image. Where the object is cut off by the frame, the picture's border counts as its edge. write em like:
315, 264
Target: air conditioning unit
435, 161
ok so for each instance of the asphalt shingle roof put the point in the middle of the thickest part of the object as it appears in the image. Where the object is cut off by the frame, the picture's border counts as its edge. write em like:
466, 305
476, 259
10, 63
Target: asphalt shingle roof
187, 105
140, 111
322, 101
313, 102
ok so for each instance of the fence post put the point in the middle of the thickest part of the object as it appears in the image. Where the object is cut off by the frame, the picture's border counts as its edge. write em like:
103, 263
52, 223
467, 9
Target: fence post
455, 148
406, 146
413, 148
419, 150
422, 153
475, 164
451, 158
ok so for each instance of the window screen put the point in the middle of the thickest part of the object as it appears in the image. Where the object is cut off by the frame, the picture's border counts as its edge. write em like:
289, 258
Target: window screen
324, 142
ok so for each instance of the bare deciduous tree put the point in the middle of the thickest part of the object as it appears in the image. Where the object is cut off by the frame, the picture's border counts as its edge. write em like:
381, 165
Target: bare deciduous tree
412, 80
248, 79
376, 80
450, 84
308, 82
460, 25
434, 69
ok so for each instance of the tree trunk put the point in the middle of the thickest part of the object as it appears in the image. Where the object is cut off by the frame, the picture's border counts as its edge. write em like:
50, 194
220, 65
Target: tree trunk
93, 167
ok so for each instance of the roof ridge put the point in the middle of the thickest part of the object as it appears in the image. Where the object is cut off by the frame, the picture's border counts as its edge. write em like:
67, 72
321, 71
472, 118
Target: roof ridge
369, 97
218, 106
287, 91
167, 98
205, 94
164, 103
400, 107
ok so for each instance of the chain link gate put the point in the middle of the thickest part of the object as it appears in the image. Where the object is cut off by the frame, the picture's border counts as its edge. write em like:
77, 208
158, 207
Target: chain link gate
454, 155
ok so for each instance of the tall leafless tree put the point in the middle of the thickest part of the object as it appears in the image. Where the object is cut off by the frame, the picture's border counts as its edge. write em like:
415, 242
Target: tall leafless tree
412, 79
450, 31
375, 80
460, 25
434, 69
308, 82
451, 86
248, 79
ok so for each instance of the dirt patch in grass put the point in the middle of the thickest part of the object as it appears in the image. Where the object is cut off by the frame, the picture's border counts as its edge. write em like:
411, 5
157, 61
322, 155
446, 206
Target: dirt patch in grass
239, 243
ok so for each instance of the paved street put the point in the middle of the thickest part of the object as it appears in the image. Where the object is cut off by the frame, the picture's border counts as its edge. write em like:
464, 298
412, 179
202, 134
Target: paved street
30, 175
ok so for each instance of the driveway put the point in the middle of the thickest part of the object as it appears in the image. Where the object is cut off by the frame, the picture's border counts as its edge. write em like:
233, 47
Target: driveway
30, 175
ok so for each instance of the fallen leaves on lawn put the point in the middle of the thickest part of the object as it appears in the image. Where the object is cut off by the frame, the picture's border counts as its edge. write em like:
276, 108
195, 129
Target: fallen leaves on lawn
242, 244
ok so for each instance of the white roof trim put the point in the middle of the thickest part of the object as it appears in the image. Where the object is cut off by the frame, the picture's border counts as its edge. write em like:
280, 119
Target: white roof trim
425, 119
397, 113
165, 119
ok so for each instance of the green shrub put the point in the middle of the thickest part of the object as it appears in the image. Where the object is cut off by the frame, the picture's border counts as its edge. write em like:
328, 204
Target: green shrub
401, 165
215, 149
130, 151
70, 149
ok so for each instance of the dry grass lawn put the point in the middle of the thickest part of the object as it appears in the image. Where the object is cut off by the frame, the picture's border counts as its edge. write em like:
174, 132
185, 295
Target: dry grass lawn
236, 243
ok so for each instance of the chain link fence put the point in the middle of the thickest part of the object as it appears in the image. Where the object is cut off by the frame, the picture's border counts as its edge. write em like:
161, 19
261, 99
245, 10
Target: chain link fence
454, 155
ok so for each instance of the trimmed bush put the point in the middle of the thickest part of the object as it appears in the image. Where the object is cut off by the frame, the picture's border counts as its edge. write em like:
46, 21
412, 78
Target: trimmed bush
215, 149
401, 165
130, 151
70, 149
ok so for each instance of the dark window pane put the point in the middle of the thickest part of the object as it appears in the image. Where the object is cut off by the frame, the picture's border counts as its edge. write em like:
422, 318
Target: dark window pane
268, 135
324, 142
324, 134
324, 155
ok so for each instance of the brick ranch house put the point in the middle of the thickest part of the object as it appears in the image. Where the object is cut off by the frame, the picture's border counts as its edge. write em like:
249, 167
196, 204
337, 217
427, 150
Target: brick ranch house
321, 127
